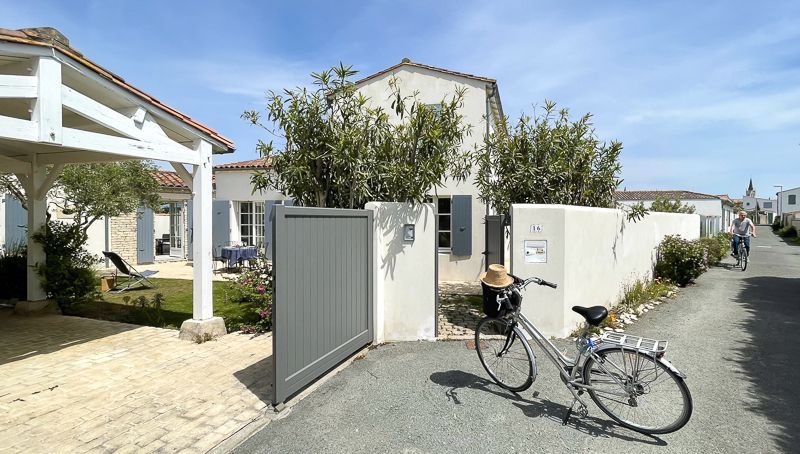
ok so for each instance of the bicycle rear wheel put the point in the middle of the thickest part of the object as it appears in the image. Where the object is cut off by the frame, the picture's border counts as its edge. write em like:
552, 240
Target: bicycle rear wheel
505, 354
638, 391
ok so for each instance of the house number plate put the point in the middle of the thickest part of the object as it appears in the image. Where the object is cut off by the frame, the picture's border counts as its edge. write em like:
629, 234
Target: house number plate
536, 228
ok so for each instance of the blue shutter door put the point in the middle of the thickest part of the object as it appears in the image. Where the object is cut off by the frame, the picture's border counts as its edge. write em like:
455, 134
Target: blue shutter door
220, 225
145, 243
461, 225
16, 223
189, 219
269, 205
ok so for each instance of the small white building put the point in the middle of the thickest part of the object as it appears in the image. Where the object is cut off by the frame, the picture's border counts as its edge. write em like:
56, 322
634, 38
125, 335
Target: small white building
717, 212
789, 206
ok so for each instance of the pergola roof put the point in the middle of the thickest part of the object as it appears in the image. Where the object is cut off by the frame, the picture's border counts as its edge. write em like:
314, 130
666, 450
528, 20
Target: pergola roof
51, 38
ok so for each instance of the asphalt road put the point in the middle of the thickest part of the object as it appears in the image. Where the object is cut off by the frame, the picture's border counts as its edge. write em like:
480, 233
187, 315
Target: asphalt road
734, 334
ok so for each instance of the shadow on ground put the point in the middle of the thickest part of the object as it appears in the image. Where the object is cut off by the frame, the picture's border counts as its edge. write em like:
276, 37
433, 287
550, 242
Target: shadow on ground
768, 360
454, 380
258, 379
23, 337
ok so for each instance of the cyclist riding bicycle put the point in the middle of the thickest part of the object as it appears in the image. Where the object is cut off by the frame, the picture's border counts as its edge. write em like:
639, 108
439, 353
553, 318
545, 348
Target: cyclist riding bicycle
742, 227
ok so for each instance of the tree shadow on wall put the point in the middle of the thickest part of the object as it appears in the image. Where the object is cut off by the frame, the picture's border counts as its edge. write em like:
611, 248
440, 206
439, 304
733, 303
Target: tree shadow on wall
768, 360
390, 219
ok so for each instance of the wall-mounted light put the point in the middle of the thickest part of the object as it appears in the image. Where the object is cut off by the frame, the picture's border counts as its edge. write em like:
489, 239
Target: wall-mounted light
408, 232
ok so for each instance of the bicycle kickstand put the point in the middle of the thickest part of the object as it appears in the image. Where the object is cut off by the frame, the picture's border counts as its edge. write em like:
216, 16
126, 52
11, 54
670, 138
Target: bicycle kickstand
582, 411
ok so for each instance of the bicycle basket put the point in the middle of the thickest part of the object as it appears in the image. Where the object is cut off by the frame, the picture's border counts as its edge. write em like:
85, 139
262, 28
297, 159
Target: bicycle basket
491, 307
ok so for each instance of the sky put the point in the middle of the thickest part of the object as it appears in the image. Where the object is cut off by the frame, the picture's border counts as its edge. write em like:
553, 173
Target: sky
703, 95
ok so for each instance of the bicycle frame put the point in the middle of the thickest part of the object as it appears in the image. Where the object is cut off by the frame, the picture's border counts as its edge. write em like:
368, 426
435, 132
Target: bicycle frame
564, 363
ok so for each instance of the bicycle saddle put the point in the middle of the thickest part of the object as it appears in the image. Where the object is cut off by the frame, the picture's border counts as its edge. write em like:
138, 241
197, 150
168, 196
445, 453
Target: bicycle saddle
593, 315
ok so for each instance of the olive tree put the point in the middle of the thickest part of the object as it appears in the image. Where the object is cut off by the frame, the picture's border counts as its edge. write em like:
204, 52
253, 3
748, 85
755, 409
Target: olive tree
341, 152
548, 159
665, 205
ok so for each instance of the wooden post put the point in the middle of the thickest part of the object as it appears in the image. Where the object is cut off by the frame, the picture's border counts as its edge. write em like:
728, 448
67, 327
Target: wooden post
203, 307
37, 216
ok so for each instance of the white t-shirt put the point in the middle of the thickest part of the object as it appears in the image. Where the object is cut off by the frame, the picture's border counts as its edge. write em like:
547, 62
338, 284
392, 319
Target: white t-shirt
742, 226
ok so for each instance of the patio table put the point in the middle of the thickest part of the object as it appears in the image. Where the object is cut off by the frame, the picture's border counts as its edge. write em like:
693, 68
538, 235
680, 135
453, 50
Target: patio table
237, 254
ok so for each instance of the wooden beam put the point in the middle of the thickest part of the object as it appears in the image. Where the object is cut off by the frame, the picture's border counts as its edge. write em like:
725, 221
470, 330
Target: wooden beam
23, 179
187, 178
41, 192
92, 141
16, 129
77, 157
18, 86
47, 106
93, 110
12, 165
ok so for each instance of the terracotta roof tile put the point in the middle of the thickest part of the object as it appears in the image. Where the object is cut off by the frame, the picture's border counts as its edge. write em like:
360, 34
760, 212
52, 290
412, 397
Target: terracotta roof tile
261, 163
407, 62
48, 37
172, 180
670, 194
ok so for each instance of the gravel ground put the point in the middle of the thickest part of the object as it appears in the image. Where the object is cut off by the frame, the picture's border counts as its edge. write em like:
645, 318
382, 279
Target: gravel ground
732, 334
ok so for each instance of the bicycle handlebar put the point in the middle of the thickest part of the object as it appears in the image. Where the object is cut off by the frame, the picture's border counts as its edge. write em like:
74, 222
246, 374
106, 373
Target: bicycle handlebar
522, 283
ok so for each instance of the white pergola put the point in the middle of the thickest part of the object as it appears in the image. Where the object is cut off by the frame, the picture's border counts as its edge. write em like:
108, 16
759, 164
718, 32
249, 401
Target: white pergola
57, 107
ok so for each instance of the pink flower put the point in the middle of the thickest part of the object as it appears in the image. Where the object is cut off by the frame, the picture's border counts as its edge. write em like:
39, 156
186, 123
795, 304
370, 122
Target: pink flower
261, 289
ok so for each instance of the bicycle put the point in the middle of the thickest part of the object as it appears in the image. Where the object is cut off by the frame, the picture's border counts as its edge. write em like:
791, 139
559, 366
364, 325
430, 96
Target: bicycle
626, 376
742, 256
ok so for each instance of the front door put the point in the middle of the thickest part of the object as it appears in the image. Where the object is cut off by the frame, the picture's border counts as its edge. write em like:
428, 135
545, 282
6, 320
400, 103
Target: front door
176, 229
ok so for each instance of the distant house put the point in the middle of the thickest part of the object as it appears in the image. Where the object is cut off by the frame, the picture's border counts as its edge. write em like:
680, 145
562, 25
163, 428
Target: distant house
761, 210
789, 205
717, 211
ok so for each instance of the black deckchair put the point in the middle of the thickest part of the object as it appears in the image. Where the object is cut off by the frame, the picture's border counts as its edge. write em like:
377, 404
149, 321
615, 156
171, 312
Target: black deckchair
126, 269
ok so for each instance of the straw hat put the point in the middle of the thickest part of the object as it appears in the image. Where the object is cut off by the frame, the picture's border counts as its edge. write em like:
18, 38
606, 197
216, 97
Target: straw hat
497, 277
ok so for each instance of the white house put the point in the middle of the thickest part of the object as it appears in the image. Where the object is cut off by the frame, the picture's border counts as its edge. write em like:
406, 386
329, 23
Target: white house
461, 236
761, 210
789, 201
717, 211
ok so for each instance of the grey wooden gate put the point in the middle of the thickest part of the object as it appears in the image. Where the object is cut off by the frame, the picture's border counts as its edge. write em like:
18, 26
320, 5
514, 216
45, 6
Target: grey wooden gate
145, 243
495, 244
323, 304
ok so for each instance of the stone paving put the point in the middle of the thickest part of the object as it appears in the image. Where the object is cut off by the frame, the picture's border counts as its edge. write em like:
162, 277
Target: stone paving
69, 384
457, 315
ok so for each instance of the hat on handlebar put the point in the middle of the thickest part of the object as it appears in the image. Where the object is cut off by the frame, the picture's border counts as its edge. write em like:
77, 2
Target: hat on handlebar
497, 277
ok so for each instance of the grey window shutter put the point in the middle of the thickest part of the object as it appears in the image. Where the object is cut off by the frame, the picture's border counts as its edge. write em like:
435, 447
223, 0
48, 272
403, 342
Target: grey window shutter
461, 224
220, 224
16, 223
189, 218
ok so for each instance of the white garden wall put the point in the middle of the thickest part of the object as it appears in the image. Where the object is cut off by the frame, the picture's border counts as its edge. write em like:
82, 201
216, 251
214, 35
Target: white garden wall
591, 253
405, 274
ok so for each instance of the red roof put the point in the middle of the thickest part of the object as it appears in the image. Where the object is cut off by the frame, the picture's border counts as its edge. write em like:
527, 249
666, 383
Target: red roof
50, 37
654, 194
407, 62
261, 163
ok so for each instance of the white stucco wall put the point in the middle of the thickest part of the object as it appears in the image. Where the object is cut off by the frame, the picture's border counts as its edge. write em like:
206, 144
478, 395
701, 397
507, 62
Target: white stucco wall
591, 254
235, 185
405, 275
432, 87
785, 207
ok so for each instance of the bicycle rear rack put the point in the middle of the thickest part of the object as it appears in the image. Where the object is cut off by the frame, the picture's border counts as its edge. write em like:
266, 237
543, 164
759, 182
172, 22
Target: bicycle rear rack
636, 342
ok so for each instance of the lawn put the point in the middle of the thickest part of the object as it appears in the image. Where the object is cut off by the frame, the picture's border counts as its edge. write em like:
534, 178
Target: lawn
175, 307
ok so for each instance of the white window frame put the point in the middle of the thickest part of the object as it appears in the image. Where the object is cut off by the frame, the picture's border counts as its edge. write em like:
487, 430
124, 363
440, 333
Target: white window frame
255, 210
439, 216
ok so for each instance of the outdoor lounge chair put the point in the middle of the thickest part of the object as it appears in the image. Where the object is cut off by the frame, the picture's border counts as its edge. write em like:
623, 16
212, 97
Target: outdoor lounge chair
135, 278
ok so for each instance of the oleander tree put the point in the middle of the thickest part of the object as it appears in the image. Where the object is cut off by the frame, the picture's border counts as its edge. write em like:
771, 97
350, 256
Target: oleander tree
550, 159
340, 151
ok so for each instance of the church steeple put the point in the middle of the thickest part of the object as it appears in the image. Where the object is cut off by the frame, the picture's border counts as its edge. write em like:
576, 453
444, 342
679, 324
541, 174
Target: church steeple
751, 192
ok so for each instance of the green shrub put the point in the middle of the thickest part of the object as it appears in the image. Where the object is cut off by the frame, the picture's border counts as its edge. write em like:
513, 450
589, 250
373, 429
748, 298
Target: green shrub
67, 274
13, 269
776, 224
253, 287
788, 231
713, 249
680, 260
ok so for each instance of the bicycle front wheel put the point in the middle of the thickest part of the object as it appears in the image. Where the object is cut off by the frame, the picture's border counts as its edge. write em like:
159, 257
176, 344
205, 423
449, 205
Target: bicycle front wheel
505, 354
638, 391
743, 259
